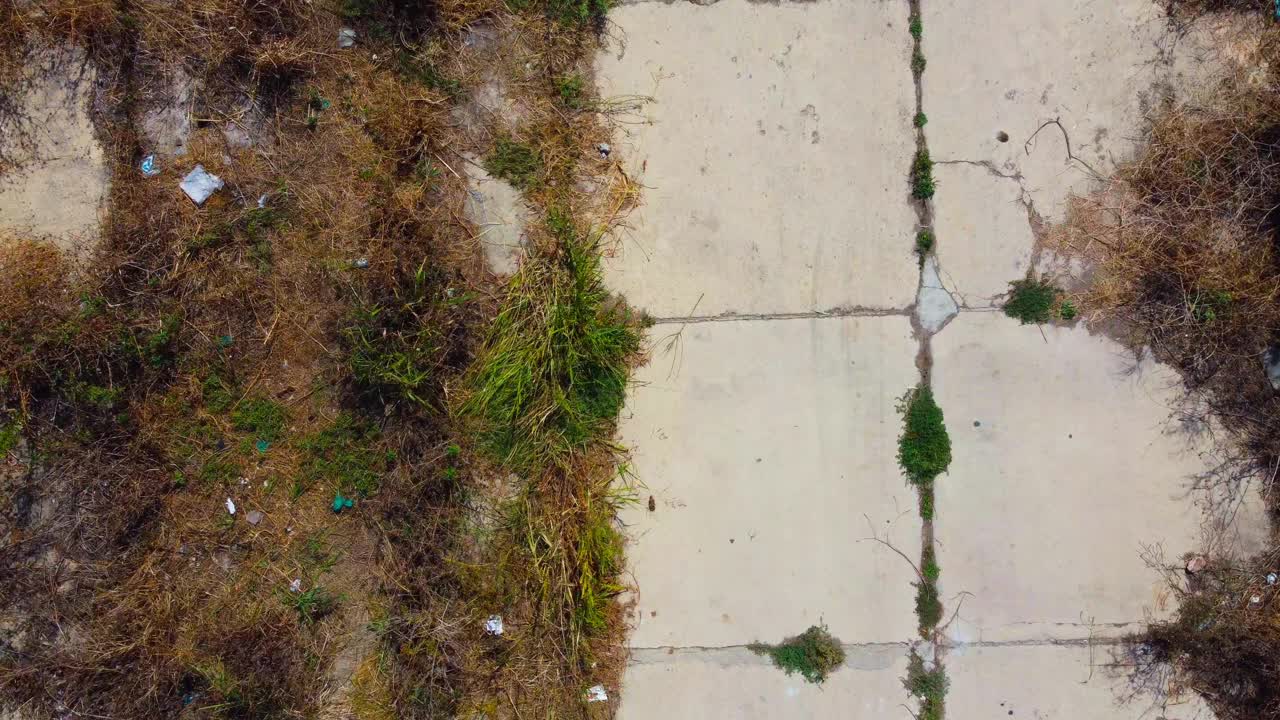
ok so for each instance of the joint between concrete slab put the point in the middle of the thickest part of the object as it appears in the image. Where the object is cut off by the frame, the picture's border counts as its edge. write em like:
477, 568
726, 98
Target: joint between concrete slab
812, 315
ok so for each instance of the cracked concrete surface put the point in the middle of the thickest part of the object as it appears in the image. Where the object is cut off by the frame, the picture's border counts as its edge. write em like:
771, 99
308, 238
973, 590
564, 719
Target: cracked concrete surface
774, 247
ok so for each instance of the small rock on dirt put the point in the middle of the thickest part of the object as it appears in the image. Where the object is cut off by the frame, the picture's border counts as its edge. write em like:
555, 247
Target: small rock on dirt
346, 38
254, 517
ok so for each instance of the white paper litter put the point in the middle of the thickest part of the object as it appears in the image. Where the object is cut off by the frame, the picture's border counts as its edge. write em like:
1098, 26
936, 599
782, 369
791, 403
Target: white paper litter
346, 37
493, 625
596, 693
231, 506
296, 585
199, 184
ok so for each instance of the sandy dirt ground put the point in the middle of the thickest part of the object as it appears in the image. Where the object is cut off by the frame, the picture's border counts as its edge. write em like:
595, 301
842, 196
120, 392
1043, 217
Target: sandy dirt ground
57, 178
774, 246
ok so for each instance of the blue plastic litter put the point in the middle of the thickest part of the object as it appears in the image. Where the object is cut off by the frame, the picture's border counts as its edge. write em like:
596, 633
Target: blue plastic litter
224, 341
149, 167
262, 446
341, 503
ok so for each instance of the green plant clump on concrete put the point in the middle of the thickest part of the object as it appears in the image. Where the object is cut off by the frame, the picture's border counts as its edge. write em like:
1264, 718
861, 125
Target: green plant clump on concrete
814, 654
924, 243
924, 450
1031, 301
922, 183
930, 686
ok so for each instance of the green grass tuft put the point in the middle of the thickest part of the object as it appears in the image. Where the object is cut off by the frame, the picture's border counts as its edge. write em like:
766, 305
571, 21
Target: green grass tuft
390, 350
1031, 301
918, 62
345, 455
599, 553
922, 182
1067, 310
569, 88
920, 120
514, 162
552, 376
916, 26
260, 417
814, 654
924, 450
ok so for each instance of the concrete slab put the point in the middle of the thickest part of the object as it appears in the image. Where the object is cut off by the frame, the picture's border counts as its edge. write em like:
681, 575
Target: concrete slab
499, 213
984, 235
774, 156
763, 444
59, 179
1066, 470
1052, 681
735, 683
1009, 66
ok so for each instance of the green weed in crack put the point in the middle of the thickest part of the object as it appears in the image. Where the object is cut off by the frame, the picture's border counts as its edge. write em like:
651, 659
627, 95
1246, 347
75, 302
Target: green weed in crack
924, 449
928, 685
814, 654
922, 183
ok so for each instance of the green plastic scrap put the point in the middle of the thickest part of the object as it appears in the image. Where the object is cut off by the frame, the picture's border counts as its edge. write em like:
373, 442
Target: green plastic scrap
341, 503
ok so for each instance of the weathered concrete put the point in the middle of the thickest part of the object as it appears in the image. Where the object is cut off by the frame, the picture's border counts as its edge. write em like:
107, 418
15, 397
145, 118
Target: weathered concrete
498, 211
1066, 470
935, 305
1010, 66
735, 683
984, 237
57, 188
764, 443
774, 156
1046, 681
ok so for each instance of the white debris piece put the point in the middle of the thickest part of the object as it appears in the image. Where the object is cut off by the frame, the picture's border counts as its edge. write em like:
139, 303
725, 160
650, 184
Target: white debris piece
296, 585
596, 693
346, 37
199, 184
493, 625
231, 506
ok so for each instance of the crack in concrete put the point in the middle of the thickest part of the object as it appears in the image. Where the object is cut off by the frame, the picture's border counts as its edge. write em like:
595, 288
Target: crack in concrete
809, 315
905, 645
986, 164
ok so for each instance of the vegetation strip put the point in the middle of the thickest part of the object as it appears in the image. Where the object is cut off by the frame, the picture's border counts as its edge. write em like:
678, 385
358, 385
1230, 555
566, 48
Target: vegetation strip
924, 449
298, 445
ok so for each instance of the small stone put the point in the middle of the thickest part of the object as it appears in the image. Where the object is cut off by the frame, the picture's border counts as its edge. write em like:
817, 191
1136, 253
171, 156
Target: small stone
346, 38
254, 517
1196, 564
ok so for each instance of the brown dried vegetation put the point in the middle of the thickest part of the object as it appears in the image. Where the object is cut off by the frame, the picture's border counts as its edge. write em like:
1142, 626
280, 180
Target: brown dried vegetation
240, 351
